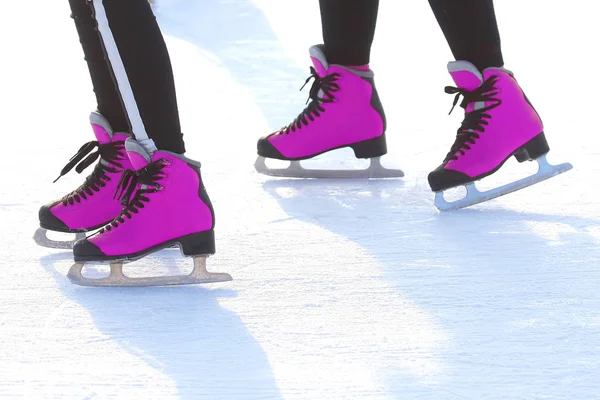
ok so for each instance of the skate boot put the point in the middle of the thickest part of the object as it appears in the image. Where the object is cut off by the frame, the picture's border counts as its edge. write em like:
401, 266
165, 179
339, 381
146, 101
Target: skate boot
499, 123
165, 205
344, 111
91, 205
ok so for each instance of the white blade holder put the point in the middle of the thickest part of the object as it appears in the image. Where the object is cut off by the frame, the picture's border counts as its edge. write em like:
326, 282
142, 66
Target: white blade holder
41, 239
474, 196
295, 170
118, 279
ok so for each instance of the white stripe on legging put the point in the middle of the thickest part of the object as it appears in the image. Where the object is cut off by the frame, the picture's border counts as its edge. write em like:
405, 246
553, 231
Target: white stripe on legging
112, 51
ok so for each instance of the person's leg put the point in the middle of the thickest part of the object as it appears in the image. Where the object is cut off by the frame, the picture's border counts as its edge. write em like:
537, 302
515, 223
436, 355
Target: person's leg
109, 101
499, 119
137, 53
348, 30
471, 30
91, 205
165, 201
345, 110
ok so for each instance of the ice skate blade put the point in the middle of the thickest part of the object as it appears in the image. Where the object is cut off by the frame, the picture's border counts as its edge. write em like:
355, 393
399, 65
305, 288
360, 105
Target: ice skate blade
118, 279
474, 196
41, 239
295, 170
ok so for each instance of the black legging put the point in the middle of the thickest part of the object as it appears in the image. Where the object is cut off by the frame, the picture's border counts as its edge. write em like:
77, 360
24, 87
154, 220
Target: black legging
348, 29
130, 69
469, 26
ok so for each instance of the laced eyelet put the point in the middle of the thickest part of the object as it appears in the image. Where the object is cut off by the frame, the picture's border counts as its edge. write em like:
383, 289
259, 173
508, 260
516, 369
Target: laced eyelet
135, 186
322, 85
109, 155
475, 121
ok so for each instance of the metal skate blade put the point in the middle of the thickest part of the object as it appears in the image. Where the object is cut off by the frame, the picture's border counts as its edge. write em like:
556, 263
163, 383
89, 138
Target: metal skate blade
295, 170
474, 196
117, 278
41, 238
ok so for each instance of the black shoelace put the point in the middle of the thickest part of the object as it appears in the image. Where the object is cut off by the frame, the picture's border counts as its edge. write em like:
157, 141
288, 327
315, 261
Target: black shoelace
142, 182
476, 120
110, 154
327, 85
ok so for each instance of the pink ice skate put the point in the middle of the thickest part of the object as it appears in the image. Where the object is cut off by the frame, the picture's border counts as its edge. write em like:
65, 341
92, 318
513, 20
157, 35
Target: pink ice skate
165, 205
499, 123
91, 205
344, 111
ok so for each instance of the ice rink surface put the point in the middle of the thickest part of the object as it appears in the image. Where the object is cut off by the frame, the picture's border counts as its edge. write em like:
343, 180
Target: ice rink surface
342, 289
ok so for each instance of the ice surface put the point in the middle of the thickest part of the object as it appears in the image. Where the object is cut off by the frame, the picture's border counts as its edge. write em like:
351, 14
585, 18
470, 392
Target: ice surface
341, 289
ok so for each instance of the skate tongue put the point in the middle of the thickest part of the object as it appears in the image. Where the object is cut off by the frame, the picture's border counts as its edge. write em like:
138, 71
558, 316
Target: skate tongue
101, 127
138, 155
465, 75
317, 55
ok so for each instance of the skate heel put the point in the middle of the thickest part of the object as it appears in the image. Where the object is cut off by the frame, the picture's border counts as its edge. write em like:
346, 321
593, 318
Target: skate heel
198, 243
370, 148
534, 149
